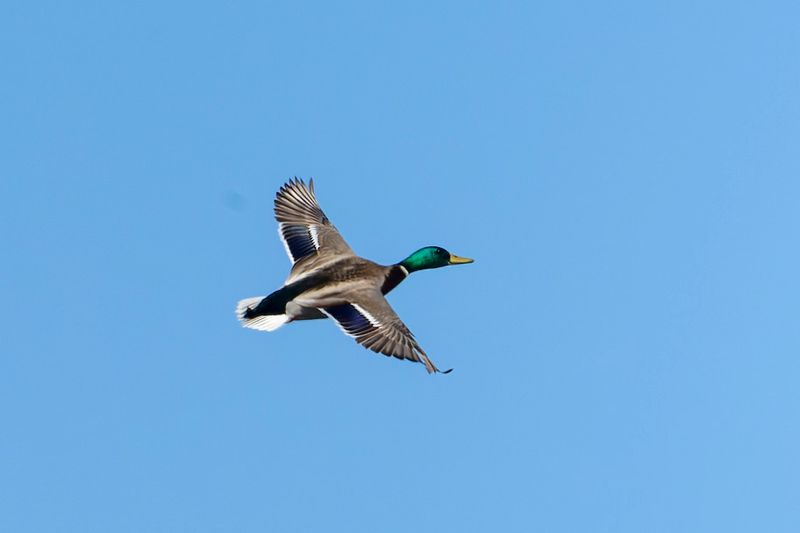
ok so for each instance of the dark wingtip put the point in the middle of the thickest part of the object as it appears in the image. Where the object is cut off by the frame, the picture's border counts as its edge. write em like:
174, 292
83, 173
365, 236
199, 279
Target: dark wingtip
446, 371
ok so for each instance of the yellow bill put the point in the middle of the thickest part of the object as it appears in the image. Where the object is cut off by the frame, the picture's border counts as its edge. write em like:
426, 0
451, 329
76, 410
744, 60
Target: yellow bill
455, 260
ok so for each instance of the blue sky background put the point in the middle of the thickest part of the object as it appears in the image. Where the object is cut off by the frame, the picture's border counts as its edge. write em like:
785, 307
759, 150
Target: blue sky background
626, 345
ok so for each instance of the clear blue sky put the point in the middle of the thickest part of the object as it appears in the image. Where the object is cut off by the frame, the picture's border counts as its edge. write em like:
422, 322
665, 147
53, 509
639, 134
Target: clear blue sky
626, 345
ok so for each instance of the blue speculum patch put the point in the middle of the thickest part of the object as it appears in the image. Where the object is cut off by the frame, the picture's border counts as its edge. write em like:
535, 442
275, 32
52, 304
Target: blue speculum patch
350, 319
299, 241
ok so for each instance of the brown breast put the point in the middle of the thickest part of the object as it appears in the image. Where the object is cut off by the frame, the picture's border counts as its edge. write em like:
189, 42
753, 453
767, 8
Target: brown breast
394, 275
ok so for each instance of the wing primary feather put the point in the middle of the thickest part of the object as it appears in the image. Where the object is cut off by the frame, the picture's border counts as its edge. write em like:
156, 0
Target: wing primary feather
303, 226
374, 325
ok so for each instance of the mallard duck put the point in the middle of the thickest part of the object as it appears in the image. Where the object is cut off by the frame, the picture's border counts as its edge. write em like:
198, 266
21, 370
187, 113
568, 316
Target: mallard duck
328, 279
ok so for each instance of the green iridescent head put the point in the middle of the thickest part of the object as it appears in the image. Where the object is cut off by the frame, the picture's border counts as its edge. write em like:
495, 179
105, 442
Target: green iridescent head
431, 257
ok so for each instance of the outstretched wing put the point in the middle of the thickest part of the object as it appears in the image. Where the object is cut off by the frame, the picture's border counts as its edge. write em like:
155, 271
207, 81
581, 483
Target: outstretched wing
372, 322
303, 227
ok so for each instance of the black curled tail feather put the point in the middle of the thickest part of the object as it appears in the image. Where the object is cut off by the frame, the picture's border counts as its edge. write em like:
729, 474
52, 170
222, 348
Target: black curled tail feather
275, 303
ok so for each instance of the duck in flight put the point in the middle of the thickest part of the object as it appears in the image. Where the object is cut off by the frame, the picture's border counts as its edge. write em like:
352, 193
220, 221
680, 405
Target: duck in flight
328, 279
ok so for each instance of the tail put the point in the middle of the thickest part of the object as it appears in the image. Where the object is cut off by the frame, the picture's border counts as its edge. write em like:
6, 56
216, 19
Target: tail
244, 312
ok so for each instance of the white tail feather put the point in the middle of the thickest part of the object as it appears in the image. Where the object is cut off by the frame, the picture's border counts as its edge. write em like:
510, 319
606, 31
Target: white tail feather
264, 322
